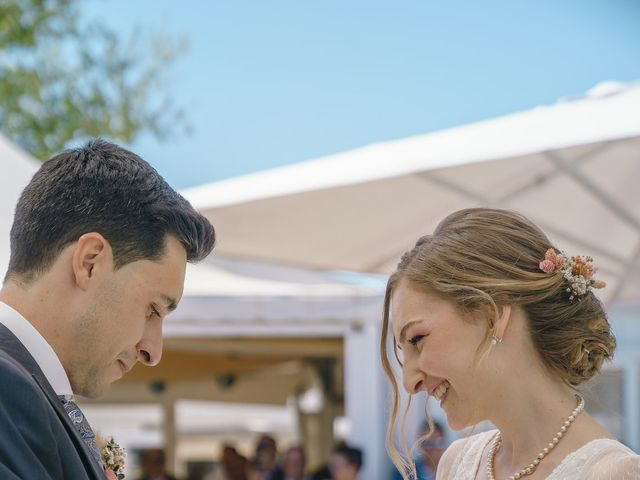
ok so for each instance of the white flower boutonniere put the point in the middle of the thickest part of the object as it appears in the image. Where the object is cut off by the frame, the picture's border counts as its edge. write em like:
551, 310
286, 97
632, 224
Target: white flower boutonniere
113, 456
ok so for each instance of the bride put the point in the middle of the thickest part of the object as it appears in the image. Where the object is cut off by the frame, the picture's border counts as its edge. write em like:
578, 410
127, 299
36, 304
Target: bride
496, 324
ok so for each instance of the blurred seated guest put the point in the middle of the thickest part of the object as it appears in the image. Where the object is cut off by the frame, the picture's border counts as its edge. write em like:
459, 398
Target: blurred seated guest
345, 463
153, 465
232, 466
321, 473
293, 463
431, 450
252, 470
266, 453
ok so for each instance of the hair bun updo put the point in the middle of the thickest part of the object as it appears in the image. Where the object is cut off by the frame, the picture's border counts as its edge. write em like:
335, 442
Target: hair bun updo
482, 256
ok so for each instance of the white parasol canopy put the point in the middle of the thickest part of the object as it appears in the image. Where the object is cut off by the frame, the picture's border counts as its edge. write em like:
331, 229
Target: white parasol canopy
572, 167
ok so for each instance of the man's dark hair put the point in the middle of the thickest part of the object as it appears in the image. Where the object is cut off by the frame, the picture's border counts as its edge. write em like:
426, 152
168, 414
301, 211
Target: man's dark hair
107, 189
352, 455
266, 442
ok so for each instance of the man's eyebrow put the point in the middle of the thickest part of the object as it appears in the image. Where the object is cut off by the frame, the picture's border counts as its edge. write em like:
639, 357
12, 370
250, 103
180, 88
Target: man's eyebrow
171, 303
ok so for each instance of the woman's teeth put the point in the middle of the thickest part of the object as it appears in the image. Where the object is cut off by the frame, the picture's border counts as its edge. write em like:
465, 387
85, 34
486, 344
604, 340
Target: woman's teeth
441, 390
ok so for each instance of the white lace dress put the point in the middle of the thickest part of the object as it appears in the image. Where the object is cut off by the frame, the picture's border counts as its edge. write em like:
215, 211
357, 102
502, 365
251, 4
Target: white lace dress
602, 459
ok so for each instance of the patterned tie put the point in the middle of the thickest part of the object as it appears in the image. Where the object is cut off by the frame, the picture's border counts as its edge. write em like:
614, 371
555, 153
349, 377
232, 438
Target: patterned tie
80, 422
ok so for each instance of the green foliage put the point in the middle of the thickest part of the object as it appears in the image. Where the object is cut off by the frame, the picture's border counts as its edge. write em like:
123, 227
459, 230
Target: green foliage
63, 80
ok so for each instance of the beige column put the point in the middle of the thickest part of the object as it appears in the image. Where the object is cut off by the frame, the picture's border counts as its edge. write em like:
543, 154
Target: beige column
316, 419
170, 436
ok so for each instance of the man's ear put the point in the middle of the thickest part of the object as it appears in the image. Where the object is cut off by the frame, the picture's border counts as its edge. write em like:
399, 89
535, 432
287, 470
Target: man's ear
92, 254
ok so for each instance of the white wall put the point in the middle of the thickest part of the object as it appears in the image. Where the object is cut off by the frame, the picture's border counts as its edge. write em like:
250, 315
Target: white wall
625, 320
17, 168
366, 399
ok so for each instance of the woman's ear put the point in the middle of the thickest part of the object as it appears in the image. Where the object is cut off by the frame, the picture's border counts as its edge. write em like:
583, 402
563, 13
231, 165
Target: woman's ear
502, 321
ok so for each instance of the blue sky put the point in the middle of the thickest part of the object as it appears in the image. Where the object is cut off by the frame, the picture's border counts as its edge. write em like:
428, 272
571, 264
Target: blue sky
267, 83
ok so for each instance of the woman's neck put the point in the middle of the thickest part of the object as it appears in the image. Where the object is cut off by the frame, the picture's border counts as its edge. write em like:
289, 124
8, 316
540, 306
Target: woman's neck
529, 416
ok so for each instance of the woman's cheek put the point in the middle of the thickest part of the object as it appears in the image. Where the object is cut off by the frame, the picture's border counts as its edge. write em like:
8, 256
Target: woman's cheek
424, 359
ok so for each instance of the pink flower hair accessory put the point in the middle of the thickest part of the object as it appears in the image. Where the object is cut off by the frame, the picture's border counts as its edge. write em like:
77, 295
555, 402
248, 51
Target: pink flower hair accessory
578, 271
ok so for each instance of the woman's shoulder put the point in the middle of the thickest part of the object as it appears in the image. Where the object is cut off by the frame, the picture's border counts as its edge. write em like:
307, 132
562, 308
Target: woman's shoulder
462, 456
611, 459
472, 442
601, 459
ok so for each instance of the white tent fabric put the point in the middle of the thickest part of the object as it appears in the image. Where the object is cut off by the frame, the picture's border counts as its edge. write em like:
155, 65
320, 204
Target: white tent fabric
17, 169
207, 279
608, 112
571, 167
221, 303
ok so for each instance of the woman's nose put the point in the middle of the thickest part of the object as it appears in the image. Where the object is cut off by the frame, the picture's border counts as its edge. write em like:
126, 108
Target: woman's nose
412, 377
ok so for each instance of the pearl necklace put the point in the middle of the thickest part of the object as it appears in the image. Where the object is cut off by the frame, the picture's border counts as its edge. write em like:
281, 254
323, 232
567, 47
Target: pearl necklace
529, 469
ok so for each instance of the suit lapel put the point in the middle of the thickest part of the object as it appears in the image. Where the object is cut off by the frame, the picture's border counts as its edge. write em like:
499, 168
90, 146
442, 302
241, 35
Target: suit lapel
10, 344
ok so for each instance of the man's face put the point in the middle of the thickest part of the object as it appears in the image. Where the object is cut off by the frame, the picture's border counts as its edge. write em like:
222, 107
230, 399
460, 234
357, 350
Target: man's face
341, 469
153, 463
120, 322
293, 464
266, 452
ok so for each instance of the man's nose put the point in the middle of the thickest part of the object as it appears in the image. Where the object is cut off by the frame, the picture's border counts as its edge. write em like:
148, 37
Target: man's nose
149, 348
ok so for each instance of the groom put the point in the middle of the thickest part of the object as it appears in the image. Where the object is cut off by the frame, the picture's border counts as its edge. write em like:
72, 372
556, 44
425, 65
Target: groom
99, 247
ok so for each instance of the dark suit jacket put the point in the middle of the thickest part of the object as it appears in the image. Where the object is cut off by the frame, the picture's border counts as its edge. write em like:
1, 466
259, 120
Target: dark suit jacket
37, 439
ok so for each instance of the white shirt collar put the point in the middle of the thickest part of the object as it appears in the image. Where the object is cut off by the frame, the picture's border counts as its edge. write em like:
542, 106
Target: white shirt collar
38, 347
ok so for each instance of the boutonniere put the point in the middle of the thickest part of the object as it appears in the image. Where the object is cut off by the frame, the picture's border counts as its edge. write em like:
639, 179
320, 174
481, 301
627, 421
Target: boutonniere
113, 456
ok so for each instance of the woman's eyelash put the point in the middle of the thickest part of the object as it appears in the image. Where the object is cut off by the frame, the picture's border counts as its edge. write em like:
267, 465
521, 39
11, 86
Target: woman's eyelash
415, 339
154, 311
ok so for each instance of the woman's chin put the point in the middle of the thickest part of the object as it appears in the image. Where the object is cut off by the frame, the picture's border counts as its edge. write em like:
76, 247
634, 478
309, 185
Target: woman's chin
456, 426
456, 423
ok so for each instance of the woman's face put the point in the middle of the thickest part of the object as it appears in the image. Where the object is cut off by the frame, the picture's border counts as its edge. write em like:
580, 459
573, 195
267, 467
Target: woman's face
439, 352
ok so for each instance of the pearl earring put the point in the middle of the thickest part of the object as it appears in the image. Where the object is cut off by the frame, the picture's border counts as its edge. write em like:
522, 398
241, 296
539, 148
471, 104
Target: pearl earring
495, 340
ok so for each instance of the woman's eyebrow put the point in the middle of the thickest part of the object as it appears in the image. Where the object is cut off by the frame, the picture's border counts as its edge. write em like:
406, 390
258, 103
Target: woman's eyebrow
403, 332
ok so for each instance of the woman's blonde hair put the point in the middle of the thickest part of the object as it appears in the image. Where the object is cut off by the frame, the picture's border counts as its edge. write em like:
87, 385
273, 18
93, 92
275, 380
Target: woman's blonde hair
483, 257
